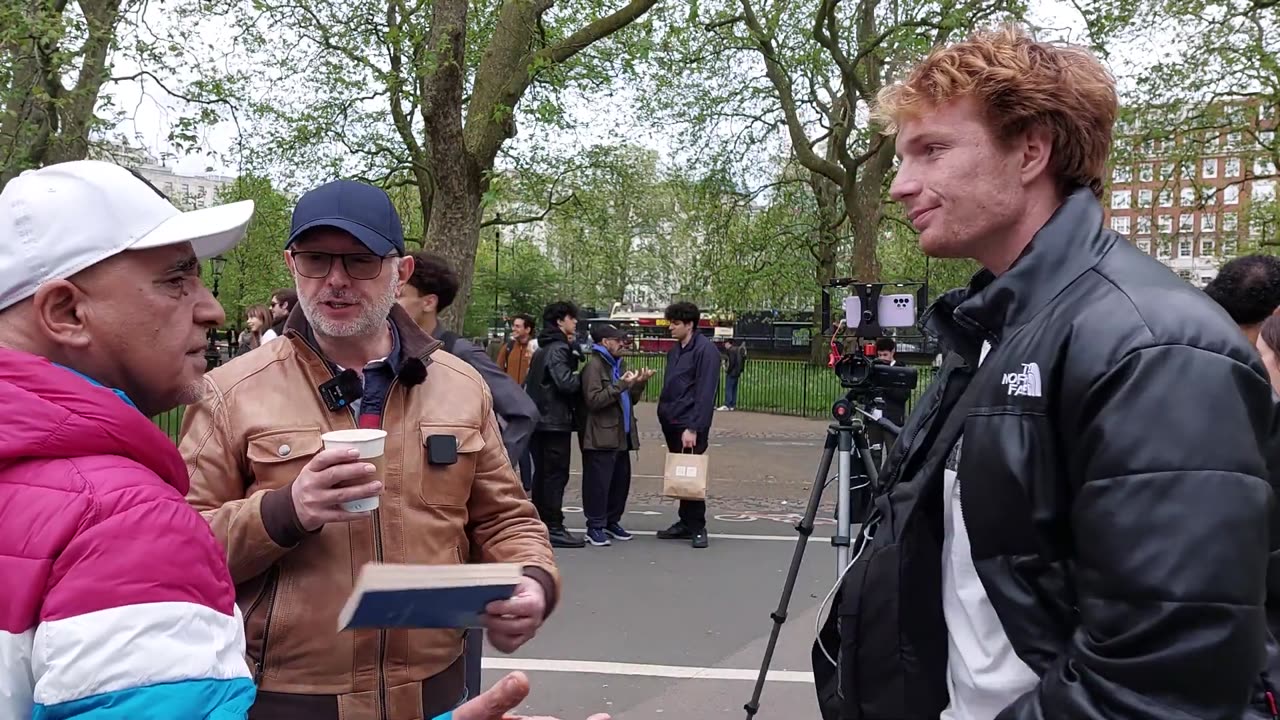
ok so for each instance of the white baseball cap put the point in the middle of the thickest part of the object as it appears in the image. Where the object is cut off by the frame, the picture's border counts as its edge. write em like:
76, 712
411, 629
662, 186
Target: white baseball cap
61, 219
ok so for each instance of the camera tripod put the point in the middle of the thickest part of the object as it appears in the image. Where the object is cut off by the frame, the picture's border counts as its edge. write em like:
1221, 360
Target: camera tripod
845, 436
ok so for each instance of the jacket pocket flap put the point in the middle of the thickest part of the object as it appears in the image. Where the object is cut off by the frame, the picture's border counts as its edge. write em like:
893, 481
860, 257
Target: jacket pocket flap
469, 439
284, 445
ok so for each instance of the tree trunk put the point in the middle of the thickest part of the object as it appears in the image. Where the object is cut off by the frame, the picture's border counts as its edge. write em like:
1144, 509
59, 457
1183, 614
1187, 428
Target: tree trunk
453, 231
863, 208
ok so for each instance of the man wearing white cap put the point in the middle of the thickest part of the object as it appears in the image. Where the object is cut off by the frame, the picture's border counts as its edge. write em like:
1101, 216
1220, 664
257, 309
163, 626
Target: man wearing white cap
117, 600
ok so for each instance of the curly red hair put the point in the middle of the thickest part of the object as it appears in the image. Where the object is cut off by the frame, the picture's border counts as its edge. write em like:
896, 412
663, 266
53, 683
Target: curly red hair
1022, 84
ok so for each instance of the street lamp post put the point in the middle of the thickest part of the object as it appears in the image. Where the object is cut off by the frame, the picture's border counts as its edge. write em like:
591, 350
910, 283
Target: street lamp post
497, 253
211, 354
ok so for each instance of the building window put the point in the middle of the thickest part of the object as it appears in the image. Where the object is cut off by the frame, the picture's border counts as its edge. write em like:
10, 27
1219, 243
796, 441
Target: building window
1229, 248
1255, 227
1266, 137
1144, 198
1232, 168
1120, 199
1208, 222
1231, 195
168, 188
1264, 190
1263, 167
1186, 222
1122, 174
1233, 141
1162, 250
1184, 247
1148, 147
1120, 224
1145, 172
1187, 197
186, 189
1208, 195
1166, 198
1165, 224
1145, 246
1229, 222
1206, 247
1209, 168
1144, 224
1188, 170
1166, 171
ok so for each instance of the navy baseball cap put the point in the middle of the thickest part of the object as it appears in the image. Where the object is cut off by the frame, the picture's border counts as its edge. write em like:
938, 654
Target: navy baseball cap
363, 210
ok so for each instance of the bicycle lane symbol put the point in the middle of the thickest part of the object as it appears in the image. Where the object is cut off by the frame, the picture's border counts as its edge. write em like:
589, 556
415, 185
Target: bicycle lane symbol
785, 518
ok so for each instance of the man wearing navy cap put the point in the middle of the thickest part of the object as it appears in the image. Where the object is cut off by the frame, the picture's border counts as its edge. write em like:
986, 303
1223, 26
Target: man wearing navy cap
273, 495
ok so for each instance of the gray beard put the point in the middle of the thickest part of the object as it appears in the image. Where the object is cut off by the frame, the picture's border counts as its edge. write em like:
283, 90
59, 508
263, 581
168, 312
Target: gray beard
372, 319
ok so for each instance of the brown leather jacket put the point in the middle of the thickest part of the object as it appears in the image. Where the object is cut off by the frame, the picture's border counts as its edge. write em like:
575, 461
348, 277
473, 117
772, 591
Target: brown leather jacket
245, 442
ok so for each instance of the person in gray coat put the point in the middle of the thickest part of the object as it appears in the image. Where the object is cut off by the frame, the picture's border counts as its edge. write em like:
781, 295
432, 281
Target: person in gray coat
430, 290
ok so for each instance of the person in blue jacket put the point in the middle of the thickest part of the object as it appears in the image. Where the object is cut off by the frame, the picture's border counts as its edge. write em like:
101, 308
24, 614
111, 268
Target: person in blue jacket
686, 406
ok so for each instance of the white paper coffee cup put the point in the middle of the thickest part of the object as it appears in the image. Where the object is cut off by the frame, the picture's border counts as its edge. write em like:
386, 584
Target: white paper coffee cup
372, 445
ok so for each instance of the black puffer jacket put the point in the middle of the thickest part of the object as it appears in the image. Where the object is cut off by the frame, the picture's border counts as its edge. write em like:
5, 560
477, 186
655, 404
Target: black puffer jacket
553, 381
1119, 442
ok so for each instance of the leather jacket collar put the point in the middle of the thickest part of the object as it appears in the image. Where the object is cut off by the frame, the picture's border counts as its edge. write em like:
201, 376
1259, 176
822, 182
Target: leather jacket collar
415, 345
1072, 242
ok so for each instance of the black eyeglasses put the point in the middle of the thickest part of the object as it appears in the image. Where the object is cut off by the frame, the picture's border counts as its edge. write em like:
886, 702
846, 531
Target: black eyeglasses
317, 265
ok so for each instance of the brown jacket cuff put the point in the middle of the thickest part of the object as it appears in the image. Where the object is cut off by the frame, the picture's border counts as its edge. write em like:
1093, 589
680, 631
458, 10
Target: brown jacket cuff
280, 518
543, 578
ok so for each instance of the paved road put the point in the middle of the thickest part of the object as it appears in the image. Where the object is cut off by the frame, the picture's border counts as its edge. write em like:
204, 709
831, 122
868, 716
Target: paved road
656, 629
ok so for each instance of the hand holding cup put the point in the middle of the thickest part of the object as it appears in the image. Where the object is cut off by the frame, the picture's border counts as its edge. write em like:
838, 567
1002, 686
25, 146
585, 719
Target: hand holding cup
341, 483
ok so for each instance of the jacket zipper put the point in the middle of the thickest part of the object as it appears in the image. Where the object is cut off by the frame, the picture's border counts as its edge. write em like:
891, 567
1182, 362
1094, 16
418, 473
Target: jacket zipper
270, 596
377, 551
377, 557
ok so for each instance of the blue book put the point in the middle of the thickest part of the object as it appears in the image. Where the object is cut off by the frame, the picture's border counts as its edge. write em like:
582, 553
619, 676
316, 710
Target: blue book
426, 596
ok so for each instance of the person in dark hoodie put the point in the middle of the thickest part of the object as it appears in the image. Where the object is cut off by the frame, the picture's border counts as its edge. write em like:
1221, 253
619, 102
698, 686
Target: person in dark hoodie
685, 408
556, 389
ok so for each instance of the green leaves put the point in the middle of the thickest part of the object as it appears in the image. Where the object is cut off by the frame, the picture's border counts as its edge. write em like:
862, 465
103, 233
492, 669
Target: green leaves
255, 268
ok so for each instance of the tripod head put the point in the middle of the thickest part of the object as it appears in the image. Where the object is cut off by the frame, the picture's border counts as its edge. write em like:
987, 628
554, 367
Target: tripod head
855, 403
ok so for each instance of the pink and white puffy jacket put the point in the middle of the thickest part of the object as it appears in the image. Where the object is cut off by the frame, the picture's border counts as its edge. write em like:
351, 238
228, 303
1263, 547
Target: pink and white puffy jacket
116, 600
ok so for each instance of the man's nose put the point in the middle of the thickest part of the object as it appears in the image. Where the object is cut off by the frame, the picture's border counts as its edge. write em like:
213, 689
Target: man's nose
208, 311
337, 277
904, 184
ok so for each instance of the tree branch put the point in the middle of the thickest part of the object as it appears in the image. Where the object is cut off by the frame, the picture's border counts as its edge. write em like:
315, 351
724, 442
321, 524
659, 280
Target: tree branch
782, 86
594, 31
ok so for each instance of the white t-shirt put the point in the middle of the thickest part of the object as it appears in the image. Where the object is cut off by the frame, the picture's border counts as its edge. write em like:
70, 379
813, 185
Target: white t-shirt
984, 674
267, 336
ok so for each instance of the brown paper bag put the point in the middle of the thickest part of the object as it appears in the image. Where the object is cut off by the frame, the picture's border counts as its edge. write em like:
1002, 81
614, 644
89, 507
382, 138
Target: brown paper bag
685, 477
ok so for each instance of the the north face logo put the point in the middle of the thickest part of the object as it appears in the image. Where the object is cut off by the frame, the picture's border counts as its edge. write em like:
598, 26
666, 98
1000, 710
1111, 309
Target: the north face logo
1025, 383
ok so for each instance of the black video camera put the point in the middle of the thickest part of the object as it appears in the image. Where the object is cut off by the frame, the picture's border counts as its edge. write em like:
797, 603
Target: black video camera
862, 373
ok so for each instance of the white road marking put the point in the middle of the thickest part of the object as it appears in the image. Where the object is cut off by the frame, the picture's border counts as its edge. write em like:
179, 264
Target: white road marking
680, 672
729, 536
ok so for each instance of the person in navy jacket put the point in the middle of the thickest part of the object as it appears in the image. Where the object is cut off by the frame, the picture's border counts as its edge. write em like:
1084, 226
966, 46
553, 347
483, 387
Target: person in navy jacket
686, 406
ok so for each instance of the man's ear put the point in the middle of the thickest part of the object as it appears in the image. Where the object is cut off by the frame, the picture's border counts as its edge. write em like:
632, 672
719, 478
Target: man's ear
1037, 149
61, 313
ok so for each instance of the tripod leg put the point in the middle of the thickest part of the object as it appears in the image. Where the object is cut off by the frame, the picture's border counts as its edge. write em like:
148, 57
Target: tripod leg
805, 529
844, 483
872, 472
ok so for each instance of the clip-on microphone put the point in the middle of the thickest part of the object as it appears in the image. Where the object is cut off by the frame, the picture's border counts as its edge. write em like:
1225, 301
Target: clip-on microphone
342, 390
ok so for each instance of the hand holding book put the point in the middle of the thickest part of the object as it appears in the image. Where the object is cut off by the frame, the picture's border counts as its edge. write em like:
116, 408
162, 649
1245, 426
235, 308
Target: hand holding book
512, 623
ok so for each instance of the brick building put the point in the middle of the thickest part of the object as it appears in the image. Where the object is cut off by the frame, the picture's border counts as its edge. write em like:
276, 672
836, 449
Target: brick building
1189, 204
